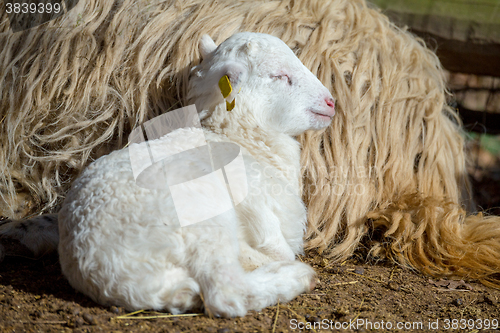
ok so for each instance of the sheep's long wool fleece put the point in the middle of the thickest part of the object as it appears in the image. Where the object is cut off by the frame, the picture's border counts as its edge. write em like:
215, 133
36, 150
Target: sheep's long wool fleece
392, 159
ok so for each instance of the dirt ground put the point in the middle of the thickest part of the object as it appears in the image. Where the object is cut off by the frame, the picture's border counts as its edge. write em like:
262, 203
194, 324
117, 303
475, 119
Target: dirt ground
35, 297
354, 296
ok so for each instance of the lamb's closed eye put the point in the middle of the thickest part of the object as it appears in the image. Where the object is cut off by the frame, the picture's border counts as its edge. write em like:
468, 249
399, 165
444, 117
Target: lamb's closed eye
283, 77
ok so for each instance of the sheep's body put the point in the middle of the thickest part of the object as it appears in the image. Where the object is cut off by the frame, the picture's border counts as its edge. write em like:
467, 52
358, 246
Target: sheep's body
117, 242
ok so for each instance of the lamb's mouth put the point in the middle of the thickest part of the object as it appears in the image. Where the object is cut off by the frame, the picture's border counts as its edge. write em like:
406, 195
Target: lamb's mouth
322, 116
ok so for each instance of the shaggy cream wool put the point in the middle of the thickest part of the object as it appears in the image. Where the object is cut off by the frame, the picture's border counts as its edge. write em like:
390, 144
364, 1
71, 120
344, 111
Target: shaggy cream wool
73, 89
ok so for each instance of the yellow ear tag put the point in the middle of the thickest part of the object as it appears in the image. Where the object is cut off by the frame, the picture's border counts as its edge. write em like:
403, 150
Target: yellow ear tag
230, 106
225, 86
226, 89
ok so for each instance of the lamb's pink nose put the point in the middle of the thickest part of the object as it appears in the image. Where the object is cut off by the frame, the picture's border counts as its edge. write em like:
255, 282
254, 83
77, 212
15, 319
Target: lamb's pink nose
331, 104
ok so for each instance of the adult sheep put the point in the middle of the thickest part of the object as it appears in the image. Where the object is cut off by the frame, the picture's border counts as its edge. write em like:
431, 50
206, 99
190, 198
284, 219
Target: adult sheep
118, 241
392, 160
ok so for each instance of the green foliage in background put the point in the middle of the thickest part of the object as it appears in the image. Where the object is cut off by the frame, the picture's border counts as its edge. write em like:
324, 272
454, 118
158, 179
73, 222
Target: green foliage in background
489, 142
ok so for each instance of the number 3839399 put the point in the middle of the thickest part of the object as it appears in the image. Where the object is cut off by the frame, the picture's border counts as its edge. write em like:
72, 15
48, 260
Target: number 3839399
32, 8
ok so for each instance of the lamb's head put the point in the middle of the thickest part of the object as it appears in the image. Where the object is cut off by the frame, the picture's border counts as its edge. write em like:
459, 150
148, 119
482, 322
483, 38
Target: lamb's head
272, 88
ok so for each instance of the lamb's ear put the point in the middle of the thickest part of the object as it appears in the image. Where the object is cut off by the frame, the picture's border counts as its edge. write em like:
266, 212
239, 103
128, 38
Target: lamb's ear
235, 71
206, 46
251, 47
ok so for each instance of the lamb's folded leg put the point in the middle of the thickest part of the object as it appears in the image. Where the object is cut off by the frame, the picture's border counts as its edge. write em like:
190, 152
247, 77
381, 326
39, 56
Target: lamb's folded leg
226, 288
211, 258
278, 281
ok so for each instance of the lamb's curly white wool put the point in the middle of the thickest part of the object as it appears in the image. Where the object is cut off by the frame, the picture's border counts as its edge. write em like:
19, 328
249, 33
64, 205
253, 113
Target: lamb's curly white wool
116, 243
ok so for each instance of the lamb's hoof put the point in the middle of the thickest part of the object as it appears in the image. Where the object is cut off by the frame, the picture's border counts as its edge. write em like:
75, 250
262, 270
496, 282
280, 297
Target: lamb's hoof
312, 285
306, 276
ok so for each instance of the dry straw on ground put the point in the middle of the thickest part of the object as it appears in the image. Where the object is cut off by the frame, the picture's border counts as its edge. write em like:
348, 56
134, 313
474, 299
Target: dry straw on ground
391, 165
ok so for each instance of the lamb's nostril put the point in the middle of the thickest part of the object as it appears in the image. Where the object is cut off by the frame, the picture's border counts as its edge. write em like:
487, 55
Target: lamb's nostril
330, 102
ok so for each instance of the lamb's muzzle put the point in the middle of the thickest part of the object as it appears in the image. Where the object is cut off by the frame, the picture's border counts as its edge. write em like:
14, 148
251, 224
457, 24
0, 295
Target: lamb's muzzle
328, 112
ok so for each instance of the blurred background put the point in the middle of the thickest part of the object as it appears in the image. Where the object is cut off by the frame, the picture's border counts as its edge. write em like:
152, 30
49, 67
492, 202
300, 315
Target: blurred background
465, 34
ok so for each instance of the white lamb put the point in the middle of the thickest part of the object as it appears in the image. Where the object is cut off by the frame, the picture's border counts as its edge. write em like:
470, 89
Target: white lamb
114, 243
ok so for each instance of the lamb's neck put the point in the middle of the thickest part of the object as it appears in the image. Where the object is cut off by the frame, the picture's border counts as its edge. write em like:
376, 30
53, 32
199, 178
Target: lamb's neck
269, 148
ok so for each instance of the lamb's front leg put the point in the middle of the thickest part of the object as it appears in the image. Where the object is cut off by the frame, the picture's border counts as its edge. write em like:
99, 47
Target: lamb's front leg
226, 288
262, 232
272, 217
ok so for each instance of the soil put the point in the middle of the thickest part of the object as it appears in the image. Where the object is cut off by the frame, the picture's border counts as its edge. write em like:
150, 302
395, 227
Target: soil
35, 297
